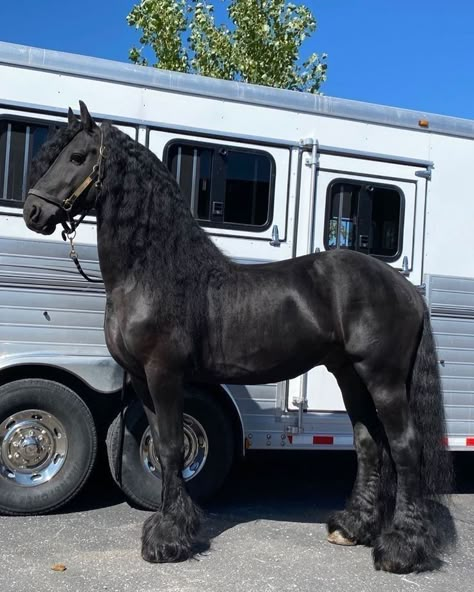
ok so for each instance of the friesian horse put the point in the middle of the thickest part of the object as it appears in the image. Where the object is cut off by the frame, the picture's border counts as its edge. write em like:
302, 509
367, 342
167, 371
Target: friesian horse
178, 311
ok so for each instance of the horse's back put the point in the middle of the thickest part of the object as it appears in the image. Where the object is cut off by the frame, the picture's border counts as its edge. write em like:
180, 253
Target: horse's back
348, 277
354, 300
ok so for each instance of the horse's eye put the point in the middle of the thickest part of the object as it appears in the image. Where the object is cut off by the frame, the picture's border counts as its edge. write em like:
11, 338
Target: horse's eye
77, 158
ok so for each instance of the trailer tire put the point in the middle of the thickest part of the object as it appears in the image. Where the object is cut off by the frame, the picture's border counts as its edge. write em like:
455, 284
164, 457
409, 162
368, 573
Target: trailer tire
209, 451
48, 446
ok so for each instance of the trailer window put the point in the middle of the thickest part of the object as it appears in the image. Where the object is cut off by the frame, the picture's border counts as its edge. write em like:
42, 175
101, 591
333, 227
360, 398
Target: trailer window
19, 142
224, 186
366, 218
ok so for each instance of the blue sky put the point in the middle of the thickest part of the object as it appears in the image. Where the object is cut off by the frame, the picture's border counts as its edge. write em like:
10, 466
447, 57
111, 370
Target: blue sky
416, 54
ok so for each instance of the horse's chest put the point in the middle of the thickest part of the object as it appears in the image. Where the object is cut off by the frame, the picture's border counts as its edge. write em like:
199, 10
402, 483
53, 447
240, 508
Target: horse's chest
113, 335
136, 334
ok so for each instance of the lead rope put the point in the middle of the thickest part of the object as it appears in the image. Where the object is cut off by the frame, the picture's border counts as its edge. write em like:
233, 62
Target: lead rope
73, 255
119, 457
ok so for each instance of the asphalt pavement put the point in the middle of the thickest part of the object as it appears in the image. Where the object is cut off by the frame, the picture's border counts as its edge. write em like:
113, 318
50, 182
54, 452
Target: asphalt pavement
266, 531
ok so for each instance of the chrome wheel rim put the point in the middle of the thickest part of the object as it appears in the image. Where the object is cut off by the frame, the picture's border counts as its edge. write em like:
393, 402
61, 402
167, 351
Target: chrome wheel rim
33, 447
196, 449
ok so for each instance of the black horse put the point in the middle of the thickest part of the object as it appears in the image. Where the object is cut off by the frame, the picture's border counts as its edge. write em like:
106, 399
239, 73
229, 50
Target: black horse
178, 311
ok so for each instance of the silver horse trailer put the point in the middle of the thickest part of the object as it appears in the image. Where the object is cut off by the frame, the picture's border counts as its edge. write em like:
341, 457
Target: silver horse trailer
270, 174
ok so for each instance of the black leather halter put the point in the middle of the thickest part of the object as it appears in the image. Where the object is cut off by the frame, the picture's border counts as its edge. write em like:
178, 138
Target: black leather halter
95, 177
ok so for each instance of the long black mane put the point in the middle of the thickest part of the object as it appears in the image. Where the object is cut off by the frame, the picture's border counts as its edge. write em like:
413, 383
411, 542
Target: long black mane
149, 212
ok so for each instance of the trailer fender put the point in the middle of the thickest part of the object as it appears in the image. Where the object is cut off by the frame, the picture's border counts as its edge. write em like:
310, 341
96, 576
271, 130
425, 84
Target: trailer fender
100, 373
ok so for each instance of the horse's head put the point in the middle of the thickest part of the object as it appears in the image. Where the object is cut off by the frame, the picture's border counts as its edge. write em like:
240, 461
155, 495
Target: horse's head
67, 174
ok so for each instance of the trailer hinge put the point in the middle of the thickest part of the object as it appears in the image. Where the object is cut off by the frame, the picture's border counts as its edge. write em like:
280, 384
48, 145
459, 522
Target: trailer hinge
405, 267
421, 289
302, 405
275, 242
310, 145
426, 174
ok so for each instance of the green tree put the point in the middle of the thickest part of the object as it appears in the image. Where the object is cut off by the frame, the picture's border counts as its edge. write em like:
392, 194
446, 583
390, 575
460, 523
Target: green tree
261, 45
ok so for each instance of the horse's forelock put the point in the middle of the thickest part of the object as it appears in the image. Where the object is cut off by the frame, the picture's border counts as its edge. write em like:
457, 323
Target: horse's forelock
49, 151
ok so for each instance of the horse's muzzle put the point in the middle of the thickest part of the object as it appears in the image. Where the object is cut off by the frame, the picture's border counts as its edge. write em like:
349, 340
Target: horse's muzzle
39, 215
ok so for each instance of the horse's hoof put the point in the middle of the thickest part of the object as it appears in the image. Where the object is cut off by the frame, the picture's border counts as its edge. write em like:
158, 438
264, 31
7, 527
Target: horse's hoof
166, 553
166, 540
337, 538
401, 552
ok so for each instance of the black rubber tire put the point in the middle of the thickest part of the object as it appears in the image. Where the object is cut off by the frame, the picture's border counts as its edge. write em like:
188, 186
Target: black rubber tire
75, 417
140, 486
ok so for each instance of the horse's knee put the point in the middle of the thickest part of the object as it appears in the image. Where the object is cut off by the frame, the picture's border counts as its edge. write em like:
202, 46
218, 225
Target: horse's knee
364, 442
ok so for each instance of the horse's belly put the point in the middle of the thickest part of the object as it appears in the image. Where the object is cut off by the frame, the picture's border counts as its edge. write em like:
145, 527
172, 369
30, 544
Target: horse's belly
273, 363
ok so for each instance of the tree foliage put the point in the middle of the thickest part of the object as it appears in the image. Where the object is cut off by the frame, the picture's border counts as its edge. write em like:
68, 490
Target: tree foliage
260, 44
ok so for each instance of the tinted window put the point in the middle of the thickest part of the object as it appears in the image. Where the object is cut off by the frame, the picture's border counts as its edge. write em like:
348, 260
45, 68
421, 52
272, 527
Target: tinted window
192, 168
365, 218
247, 189
19, 142
224, 186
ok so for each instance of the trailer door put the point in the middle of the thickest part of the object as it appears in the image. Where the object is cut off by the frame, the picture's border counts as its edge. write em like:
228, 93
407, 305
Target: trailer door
372, 204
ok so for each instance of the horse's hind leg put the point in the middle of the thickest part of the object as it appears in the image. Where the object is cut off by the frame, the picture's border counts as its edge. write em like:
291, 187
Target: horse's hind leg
359, 522
168, 534
407, 543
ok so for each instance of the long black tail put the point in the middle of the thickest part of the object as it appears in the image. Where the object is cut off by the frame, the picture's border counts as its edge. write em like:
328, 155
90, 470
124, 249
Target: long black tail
426, 405
427, 528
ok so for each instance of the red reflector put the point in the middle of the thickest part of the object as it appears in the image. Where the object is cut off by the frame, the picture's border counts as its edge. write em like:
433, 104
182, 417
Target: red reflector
444, 441
323, 439
469, 441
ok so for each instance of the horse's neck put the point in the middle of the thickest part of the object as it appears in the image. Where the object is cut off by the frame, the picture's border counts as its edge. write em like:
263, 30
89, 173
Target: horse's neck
148, 256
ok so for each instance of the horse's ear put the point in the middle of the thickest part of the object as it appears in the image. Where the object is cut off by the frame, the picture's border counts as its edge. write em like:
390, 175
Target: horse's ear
71, 118
87, 121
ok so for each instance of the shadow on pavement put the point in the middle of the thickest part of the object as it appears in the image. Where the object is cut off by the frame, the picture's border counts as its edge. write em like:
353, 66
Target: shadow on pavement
295, 486
284, 486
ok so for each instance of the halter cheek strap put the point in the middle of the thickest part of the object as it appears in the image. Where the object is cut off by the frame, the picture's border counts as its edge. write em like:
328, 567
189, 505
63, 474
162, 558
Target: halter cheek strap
95, 178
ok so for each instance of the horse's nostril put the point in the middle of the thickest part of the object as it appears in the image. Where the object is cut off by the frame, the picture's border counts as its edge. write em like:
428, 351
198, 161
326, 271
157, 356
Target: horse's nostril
35, 213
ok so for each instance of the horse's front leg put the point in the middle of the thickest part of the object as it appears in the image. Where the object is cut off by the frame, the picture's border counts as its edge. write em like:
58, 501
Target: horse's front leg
168, 534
